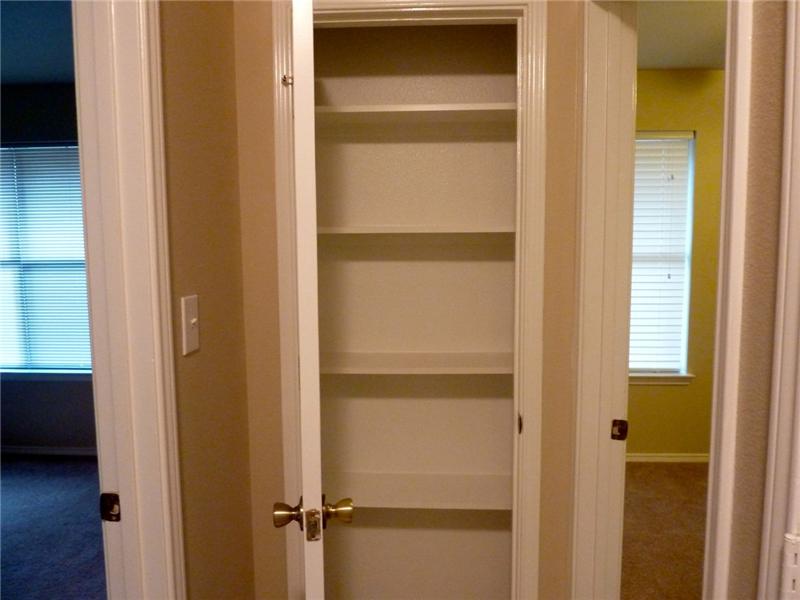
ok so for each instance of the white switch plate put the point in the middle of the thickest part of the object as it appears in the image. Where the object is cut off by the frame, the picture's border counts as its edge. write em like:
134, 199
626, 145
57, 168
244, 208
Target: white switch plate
190, 320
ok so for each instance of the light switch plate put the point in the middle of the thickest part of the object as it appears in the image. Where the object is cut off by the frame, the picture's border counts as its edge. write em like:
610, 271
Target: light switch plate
190, 320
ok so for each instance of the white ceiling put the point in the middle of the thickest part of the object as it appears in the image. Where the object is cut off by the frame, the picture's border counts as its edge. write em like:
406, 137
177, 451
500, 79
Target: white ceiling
681, 34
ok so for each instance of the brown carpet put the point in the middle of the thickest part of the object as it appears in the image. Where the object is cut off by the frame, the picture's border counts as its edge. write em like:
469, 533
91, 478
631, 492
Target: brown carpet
665, 511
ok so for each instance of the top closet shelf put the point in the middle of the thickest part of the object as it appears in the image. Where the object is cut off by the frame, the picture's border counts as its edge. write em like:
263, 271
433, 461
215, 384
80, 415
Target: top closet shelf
484, 112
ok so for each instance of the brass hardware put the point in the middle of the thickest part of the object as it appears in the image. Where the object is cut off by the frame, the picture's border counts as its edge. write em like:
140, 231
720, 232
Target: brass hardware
312, 525
342, 510
287, 80
283, 514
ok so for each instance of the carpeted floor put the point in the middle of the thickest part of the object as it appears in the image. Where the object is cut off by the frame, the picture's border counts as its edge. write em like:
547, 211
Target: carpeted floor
51, 538
665, 511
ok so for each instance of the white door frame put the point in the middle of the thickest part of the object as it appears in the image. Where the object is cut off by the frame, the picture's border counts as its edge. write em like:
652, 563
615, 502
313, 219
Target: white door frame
782, 496
118, 83
530, 252
602, 359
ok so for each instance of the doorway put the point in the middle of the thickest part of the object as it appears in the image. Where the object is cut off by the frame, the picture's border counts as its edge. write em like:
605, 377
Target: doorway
51, 540
677, 192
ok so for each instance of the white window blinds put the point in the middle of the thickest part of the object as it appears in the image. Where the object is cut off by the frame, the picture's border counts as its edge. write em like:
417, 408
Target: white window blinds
662, 225
44, 322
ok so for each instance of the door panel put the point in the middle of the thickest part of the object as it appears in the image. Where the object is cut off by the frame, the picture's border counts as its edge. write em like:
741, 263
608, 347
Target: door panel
306, 256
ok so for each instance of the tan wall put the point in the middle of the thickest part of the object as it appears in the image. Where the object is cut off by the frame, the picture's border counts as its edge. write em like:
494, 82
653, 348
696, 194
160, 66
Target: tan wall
766, 131
564, 71
205, 259
254, 91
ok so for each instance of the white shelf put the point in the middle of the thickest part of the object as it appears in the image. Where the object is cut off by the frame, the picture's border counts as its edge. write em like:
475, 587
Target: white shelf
403, 229
483, 112
422, 490
416, 363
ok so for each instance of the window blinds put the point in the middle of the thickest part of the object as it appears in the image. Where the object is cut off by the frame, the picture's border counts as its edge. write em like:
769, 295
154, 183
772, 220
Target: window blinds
662, 221
44, 322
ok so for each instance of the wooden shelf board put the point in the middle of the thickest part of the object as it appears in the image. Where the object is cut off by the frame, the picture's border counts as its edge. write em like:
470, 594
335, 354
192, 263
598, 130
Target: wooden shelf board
420, 363
422, 490
402, 229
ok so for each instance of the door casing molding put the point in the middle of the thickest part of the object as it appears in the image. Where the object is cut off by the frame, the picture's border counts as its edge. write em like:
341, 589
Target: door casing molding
531, 19
782, 494
120, 127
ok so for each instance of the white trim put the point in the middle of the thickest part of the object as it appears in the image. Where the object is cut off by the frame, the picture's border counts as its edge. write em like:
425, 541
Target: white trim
529, 301
118, 81
729, 300
51, 450
287, 288
606, 205
530, 247
305, 254
665, 457
782, 493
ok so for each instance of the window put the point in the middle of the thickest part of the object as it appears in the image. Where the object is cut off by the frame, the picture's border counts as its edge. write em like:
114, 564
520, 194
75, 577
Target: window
662, 242
44, 321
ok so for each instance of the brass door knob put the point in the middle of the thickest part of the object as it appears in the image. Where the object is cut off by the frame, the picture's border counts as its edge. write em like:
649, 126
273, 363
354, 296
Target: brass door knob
283, 514
342, 511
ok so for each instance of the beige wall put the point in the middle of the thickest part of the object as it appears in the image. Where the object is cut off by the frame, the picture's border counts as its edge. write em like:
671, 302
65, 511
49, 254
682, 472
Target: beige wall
564, 70
254, 92
766, 130
205, 258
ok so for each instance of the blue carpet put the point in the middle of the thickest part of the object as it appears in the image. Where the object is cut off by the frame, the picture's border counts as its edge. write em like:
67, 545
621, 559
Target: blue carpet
51, 538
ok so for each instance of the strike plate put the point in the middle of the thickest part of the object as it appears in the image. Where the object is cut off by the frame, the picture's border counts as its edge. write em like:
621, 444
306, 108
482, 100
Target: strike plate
313, 525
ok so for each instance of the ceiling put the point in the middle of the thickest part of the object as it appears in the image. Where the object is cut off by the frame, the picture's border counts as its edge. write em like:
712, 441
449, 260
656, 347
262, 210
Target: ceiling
688, 34
36, 42
36, 38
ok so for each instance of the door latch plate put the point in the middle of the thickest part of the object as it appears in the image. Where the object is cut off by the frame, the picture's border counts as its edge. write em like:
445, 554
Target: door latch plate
313, 525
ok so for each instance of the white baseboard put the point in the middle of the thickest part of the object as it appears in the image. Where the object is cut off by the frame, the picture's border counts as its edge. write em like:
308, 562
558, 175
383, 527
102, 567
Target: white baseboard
51, 450
666, 457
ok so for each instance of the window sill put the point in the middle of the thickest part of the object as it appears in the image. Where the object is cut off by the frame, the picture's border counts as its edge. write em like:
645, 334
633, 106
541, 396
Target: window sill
660, 378
46, 375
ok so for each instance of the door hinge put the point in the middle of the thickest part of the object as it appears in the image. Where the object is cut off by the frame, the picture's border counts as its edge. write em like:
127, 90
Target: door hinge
109, 507
519, 424
790, 573
287, 80
619, 429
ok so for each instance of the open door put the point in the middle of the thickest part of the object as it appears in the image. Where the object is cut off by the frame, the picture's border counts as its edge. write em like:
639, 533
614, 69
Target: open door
417, 260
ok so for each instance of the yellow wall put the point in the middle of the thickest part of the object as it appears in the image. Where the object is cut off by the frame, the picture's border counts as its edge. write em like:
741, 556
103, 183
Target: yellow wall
677, 418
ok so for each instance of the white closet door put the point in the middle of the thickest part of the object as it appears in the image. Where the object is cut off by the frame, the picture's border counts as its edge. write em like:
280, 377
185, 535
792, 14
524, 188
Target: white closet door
308, 325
